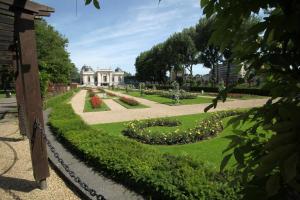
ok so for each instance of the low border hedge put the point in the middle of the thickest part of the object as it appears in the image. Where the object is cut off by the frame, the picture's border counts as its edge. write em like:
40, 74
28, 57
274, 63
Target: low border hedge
143, 168
129, 101
205, 129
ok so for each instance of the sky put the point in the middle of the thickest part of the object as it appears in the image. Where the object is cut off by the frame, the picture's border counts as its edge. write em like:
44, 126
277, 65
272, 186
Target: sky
117, 33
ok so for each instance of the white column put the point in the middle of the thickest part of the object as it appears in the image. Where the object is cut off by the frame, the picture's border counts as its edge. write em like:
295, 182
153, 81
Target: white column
110, 79
99, 78
92, 82
85, 79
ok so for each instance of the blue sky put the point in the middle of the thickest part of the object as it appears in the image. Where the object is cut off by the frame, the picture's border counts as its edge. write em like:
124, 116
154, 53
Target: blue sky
115, 35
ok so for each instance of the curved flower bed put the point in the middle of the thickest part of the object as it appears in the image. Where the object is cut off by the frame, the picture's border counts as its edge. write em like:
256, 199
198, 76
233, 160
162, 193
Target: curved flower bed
205, 129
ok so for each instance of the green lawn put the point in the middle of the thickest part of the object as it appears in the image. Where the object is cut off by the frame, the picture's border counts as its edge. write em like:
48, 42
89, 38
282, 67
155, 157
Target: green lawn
88, 106
130, 106
164, 100
209, 151
3, 94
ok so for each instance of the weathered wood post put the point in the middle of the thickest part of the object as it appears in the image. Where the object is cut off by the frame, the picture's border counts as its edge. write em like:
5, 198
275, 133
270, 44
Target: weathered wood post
19, 15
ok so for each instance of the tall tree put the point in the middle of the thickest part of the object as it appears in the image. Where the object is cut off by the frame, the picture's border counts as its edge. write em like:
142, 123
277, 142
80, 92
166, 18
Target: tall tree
54, 63
210, 54
269, 160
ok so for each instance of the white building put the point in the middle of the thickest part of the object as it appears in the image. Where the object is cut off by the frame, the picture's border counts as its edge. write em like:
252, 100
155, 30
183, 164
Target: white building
101, 77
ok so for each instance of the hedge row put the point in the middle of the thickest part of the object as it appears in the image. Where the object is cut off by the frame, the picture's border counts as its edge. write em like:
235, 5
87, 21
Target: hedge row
129, 101
168, 94
147, 170
252, 91
205, 129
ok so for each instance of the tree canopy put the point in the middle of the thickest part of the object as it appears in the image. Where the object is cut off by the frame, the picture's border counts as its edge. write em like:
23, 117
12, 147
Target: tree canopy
54, 62
269, 161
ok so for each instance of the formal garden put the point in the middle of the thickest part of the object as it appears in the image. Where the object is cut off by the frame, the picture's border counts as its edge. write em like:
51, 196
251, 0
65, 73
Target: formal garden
161, 158
165, 132
165, 158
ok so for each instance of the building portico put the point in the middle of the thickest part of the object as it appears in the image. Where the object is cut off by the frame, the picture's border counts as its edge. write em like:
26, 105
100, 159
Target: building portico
101, 77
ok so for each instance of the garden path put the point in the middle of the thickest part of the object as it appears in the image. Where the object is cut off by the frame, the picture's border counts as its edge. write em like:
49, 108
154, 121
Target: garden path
16, 179
155, 109
114, 106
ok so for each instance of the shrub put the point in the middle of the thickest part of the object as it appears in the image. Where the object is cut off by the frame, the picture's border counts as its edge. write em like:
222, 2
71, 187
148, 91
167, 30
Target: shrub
205, 129
252, 91
111, 94
129, 101
96, 101
147, 170
182, 94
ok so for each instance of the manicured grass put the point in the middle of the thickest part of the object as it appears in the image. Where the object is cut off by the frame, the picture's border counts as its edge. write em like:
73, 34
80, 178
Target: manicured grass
164, 100
209, 151
88, 106
129, 106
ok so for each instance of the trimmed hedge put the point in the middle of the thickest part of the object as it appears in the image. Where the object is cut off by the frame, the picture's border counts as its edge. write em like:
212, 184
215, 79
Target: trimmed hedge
147, 170
252, 91
129, 101
168, 94
206, 128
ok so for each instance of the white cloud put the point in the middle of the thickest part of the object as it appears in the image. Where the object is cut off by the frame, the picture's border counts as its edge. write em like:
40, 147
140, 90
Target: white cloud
142, 27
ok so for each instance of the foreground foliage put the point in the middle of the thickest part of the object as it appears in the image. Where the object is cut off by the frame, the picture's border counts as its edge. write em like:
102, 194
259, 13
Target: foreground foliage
161, 176
269, 49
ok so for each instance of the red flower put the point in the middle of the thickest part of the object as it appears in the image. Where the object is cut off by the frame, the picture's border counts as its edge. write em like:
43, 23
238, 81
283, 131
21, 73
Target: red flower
96, 102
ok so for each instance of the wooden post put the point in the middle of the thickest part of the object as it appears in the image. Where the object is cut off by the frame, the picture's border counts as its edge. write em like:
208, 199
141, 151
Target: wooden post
28, 84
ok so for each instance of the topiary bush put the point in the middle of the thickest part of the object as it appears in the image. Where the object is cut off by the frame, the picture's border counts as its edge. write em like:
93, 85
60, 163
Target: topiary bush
206, 128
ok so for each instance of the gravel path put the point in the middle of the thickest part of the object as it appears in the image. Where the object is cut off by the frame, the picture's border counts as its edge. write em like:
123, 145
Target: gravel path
155, 109
16, 179
114, 106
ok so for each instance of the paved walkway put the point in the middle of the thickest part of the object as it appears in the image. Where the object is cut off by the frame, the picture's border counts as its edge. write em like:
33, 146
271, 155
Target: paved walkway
114, 106
7, 106
16, 179
155, 109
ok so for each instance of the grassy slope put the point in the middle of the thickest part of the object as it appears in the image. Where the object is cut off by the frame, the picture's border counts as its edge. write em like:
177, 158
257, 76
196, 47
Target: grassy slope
130, 106
164, 100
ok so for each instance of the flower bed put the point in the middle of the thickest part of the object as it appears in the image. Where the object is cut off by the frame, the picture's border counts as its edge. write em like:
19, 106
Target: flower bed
129, 101
111, 94
205, 129
96, 102
169, 94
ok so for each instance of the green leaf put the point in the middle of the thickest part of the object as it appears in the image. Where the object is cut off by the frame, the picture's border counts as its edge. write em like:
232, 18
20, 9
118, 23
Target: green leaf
273, 185
96, 4
208, 107
225, 162
87, 2
290, 167
204, 3
238, 155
